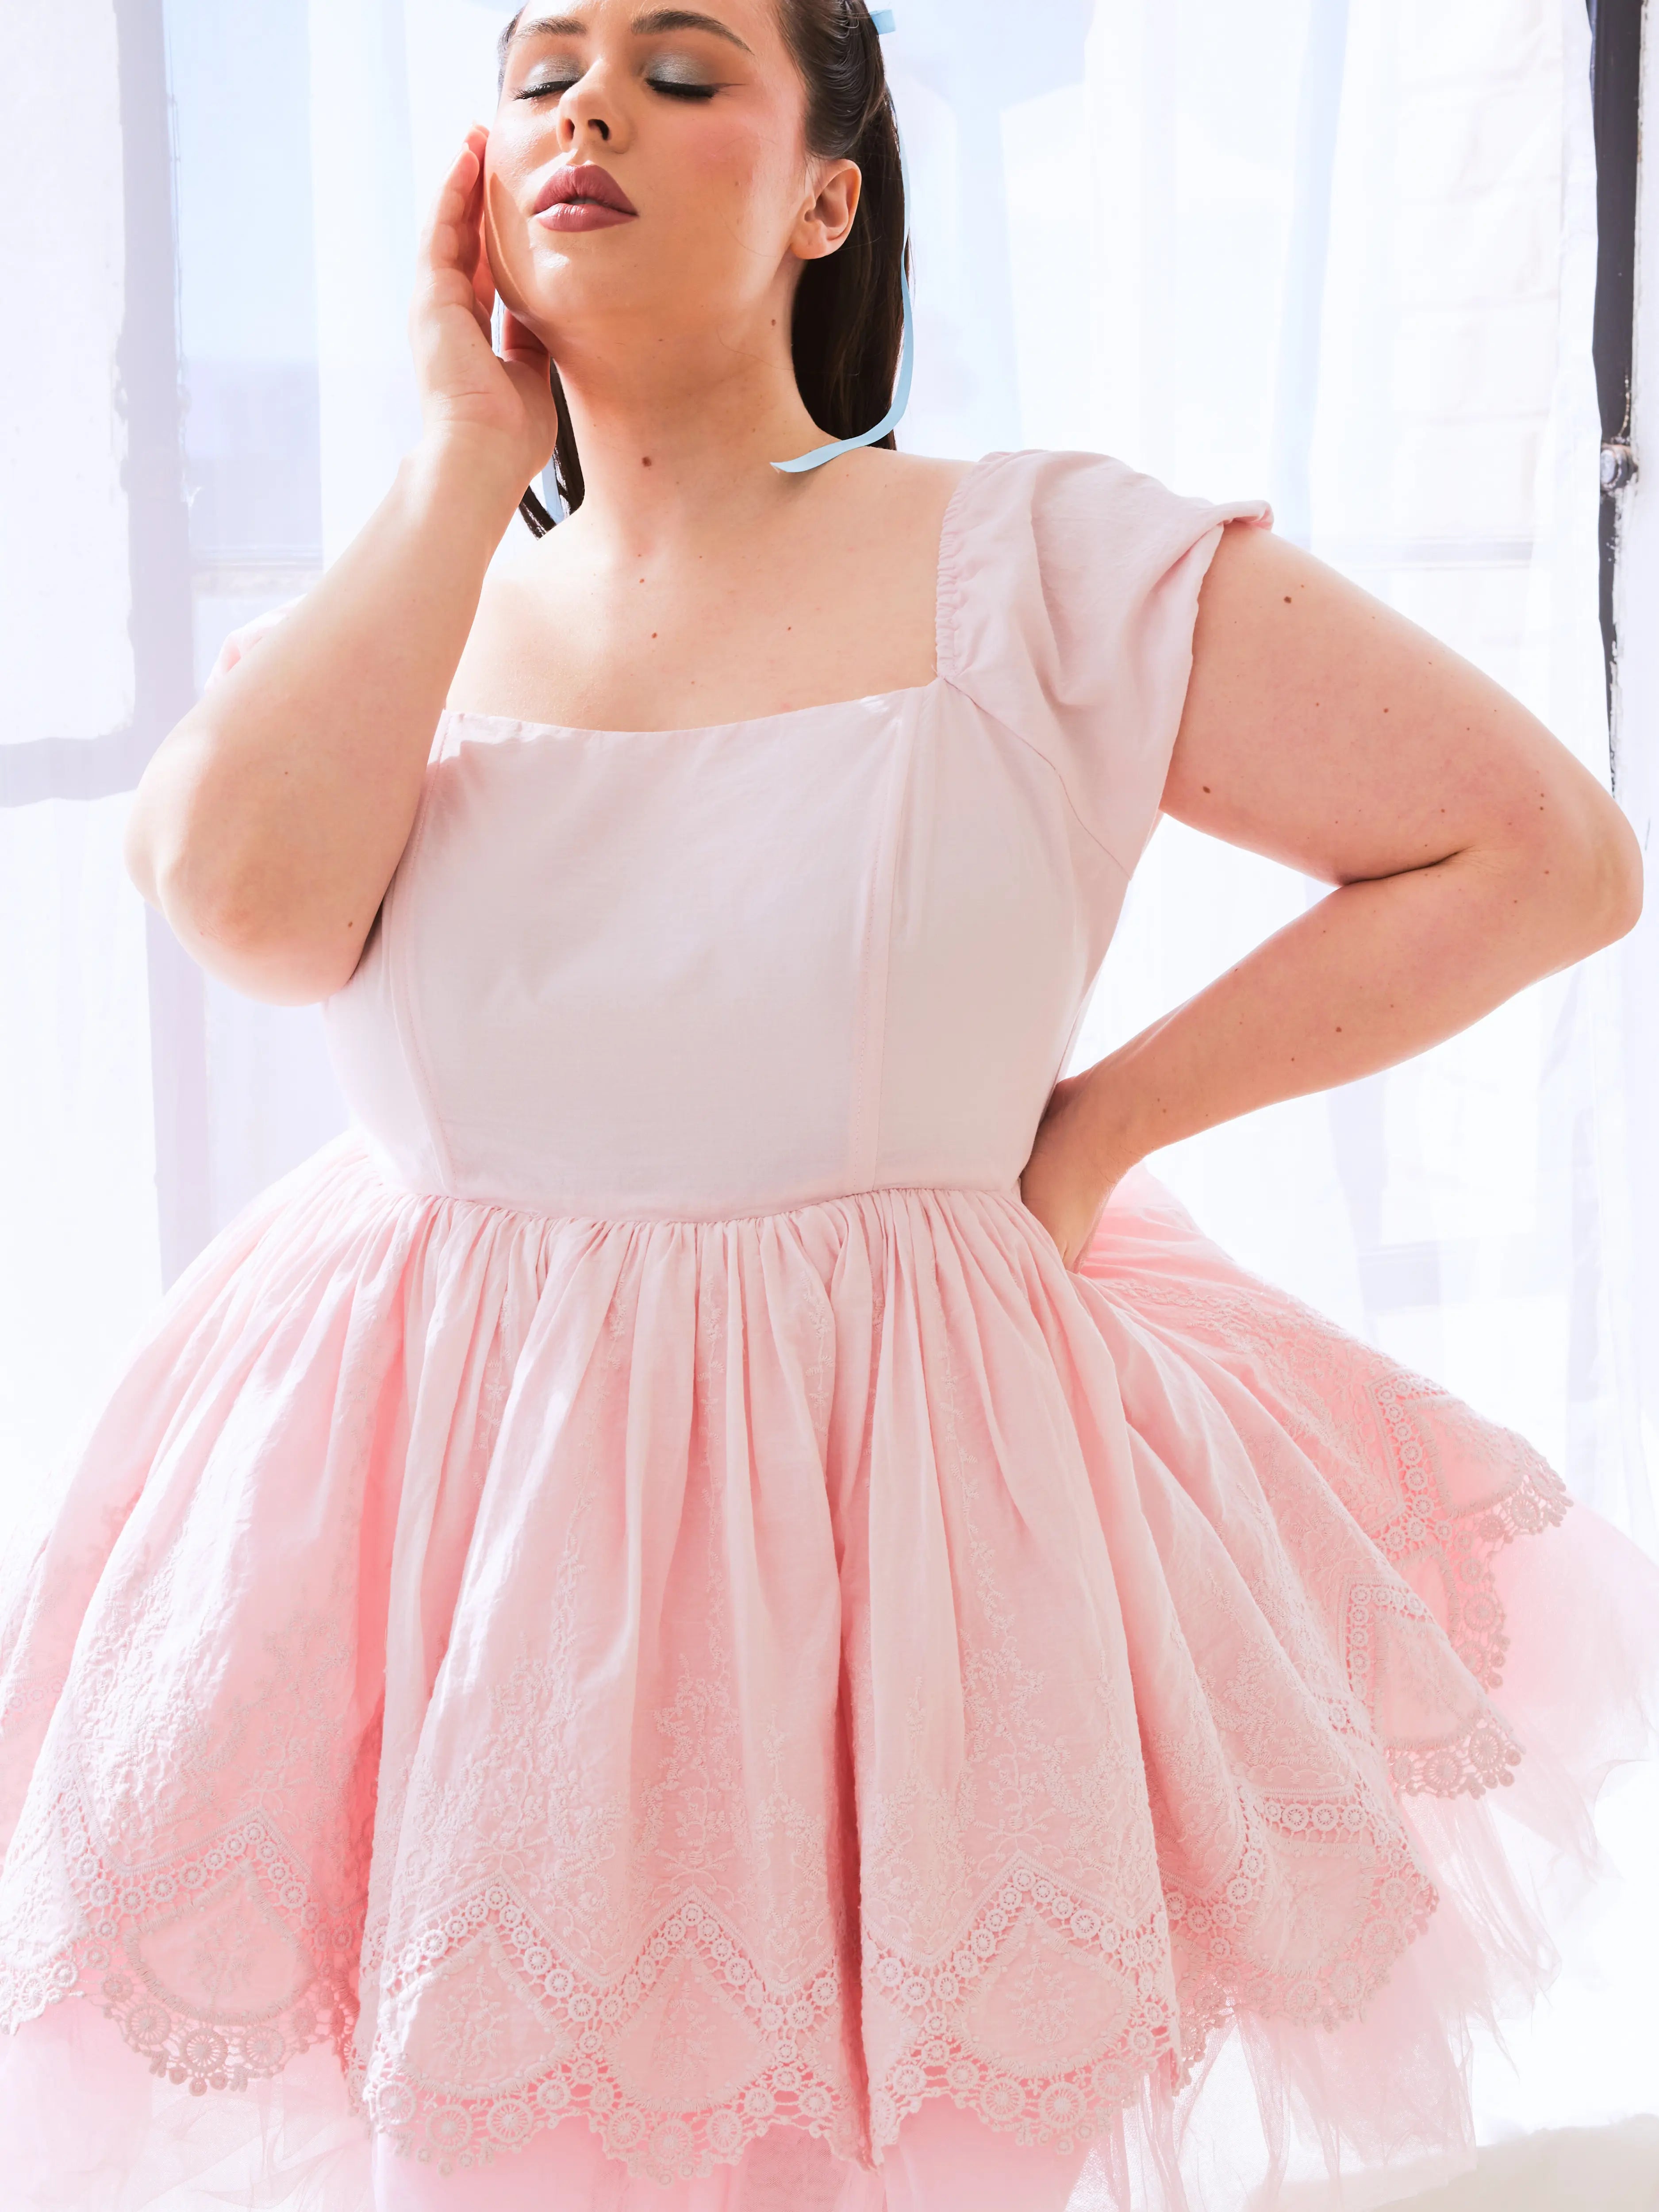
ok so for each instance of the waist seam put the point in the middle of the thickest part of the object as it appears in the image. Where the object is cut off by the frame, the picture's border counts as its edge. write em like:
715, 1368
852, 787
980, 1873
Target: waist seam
579, 1216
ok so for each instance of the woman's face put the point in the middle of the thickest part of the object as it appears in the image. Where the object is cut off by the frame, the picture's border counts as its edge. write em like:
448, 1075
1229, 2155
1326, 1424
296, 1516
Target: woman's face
695, 117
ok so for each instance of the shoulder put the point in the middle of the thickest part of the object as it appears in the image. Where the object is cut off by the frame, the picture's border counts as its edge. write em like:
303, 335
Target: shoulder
1065, 554
1094, 506
1068, 606
884, 498
880, 474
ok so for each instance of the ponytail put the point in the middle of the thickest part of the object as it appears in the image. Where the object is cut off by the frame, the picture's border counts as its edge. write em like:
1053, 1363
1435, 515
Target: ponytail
849, 307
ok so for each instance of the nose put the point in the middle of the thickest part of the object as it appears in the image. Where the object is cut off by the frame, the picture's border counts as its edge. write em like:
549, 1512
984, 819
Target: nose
586, 112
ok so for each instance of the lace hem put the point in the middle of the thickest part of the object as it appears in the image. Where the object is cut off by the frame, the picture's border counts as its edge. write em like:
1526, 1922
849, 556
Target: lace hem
692, 2009
1037, 1952
1457, 1544
1038, 1958
1537, 1498
1218, 1977
239, 1915
1048, 2011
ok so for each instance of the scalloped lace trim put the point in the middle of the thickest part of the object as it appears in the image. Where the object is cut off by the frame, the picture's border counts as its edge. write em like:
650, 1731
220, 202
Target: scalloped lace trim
1043, 2013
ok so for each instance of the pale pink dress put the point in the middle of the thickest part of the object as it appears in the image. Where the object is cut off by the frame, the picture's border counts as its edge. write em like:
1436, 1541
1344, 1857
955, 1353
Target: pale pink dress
633, 1638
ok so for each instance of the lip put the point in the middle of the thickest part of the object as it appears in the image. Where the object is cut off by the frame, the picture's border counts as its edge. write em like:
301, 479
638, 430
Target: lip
581, 196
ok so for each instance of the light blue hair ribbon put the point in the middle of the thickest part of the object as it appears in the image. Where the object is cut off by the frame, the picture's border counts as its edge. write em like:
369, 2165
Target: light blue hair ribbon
884, 20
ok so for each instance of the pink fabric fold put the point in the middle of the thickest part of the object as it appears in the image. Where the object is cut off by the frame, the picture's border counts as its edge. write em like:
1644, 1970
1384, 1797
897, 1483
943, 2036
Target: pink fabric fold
1108, 1665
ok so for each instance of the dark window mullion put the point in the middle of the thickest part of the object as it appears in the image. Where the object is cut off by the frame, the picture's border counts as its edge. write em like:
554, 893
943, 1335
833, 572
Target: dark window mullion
1616, 98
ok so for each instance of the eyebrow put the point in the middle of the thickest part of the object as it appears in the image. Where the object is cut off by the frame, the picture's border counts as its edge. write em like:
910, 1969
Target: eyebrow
643, 27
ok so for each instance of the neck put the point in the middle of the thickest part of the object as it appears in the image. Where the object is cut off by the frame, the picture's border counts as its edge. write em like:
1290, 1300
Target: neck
677, 435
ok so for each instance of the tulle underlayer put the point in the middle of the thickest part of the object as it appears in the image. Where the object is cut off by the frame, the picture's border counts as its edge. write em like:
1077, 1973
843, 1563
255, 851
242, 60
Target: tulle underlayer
828, 1710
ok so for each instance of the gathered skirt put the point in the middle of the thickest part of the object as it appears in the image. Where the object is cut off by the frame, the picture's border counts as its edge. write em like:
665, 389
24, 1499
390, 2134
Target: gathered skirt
829, 1709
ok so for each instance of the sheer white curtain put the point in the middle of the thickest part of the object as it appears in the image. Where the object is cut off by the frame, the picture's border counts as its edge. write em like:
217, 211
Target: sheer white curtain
1361, 281
80, 1256
1337, 251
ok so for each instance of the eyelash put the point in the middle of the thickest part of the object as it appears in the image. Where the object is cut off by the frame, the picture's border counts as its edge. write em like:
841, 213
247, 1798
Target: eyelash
556, 90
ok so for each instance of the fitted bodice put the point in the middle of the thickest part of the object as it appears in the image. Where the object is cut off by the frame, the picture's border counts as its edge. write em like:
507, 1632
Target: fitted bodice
725, 971
733, 970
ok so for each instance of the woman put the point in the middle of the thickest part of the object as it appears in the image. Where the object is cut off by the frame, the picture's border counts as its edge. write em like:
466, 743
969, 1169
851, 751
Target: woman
723, 1603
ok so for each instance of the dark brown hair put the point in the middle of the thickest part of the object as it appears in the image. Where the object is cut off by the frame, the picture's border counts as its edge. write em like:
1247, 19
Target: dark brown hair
849, 321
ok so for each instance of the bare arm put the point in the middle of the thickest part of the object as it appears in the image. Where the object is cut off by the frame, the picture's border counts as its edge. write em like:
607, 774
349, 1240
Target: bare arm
1471, 852
269, 822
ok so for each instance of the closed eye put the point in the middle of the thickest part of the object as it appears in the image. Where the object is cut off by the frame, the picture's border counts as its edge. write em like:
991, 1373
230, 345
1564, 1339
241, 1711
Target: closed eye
671, 88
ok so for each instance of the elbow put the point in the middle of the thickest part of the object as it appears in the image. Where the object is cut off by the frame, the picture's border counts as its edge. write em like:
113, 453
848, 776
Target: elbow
236, 936
282, 966
1613, 891
137, 851
1586, 880
243, 907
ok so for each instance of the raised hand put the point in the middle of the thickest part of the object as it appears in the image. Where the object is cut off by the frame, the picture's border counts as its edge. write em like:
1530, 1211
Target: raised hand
466, 388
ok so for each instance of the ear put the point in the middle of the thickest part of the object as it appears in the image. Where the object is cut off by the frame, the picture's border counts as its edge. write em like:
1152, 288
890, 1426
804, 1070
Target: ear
823, 224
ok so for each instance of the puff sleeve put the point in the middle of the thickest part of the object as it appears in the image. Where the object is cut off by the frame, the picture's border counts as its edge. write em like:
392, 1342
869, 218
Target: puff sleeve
1069, 598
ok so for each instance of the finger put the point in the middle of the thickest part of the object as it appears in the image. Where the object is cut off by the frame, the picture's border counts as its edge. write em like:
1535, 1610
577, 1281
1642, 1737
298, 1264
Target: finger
443, 241
473, 260
483, 275
520, 343
460, 183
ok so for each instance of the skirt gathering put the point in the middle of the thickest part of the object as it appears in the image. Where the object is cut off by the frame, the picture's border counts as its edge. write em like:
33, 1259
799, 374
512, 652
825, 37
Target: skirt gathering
829, 1709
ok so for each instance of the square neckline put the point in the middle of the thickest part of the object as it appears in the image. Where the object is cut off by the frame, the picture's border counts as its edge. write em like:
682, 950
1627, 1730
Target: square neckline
943, 575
